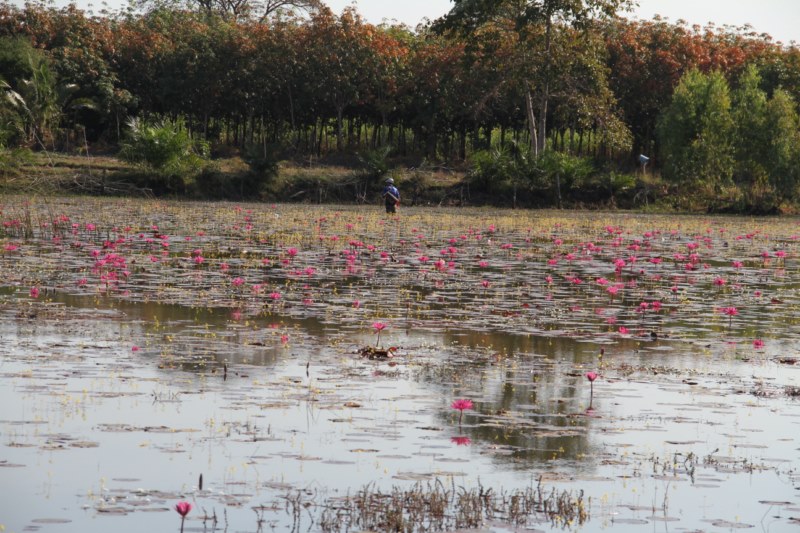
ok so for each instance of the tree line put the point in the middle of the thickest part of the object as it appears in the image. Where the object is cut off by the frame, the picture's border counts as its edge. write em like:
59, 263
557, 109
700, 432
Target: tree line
502, 84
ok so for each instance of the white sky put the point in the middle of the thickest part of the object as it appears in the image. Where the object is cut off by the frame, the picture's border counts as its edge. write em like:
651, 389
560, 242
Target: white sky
779, 18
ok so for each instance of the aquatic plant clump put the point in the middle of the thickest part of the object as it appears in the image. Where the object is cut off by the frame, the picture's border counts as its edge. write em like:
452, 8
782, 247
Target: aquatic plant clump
435, 507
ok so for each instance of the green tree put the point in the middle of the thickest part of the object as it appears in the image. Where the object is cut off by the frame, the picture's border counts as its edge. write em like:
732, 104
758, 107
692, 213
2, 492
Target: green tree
696, 132
41, 100
783, 153
534, 25
750, 135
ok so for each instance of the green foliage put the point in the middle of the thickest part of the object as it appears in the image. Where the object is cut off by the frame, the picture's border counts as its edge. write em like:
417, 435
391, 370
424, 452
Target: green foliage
620, 182
30, 103
211, 183
492, 170
500, 169
163, 148
12, 159
751, 140
11, 118
375, 163
782, 125
564, 172
14, 59
708, 136
696, 132
572, 171
262, 159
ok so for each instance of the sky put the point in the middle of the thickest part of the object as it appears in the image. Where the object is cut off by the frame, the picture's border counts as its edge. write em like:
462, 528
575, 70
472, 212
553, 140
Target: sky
779, 18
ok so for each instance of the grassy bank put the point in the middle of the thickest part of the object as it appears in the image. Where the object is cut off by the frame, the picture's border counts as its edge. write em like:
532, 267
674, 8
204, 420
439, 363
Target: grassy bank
228, 178
346, 180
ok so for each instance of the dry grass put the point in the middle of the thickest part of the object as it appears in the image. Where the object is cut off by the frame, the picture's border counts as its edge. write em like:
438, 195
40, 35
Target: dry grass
60, 173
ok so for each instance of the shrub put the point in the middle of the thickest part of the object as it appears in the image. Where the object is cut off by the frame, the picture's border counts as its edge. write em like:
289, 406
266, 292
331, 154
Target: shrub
163, 148
491, 170
263, 162
564, 171
375, 163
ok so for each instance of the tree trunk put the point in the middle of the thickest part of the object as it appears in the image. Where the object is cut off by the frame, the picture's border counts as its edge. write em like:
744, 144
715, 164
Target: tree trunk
534, 143
291, 117
542, 139
339, 128
545, 94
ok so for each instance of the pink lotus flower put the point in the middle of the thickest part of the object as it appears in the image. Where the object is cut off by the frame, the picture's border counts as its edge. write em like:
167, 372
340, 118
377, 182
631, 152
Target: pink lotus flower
183, 509
623, 330
591, 376
461, 441
461, 405
34, 292
758, 344
134, 348
731, 312
378, 327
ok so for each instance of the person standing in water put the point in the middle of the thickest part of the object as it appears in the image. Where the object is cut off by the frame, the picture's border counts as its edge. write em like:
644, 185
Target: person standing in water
391, 196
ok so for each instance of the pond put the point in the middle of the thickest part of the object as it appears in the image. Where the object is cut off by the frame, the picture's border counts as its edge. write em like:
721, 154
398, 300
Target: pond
332, 368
